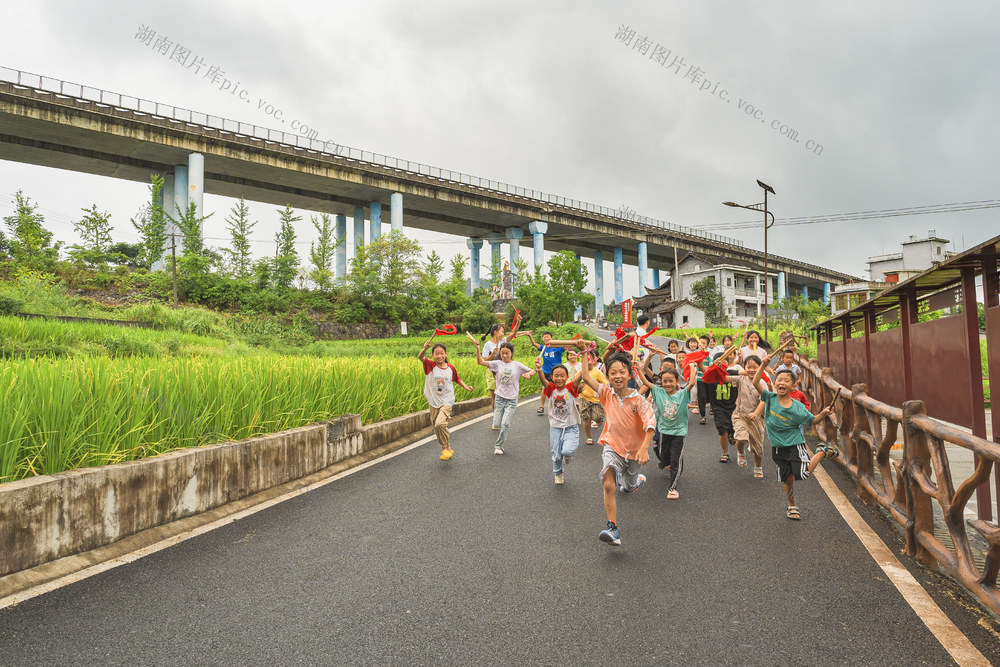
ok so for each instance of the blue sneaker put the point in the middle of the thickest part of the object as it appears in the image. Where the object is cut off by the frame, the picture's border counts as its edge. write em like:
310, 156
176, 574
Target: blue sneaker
612, 535
640, 480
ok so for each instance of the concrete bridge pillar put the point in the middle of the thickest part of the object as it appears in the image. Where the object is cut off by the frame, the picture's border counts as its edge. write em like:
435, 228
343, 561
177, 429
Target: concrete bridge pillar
619, 284
168, 195
340, 256
538, 229
196, 183
578, 313
375, 220
495, 239
474, 245
598, 282
656, 278
396, 211
514, 236
826, 293
180, 189
782, 291
643, 264
359, 228
805, 292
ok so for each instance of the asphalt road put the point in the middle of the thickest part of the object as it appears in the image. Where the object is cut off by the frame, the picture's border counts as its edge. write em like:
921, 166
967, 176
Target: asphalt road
482, 559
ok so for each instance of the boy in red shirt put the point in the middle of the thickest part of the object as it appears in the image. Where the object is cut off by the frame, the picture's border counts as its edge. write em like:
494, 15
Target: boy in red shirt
628, 429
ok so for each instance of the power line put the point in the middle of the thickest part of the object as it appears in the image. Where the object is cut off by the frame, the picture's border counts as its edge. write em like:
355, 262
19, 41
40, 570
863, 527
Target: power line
957, 207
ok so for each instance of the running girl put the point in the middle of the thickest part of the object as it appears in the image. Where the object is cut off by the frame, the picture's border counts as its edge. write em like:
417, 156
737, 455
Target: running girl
439, 380
508, 374
560, 397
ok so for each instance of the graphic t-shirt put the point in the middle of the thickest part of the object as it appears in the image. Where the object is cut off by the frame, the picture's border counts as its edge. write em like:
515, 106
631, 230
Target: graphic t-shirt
438, 388
722, 395
508, 377
489, 346
561, 406
671, 410
782, 424
551, 357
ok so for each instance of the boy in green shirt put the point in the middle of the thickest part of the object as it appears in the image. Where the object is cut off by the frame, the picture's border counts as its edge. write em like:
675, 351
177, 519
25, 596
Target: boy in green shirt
782, 417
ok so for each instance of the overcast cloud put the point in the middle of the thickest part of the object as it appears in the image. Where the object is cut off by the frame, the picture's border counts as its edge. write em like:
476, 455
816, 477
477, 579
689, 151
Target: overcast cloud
901, 96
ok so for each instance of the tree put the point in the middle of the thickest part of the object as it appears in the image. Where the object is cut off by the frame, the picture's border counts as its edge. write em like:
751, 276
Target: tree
151, 225
195, 258
30, 244
567, 280
385, 278
287, 260
537, 298
126, 254
433, 268
240, 227
321, 252
707, 296
94, 229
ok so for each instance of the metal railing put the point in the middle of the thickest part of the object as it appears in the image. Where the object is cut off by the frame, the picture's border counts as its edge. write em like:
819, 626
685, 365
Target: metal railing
324, 149
909, 488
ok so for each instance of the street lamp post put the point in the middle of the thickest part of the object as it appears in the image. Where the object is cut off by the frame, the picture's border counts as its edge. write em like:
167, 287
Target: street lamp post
761, 207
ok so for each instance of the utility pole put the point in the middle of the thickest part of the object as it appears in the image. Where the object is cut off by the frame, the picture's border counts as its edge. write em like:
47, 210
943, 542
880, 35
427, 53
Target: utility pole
173, 259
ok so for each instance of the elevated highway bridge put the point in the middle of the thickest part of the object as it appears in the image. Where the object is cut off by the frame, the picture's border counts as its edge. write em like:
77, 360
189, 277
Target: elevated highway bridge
55, 123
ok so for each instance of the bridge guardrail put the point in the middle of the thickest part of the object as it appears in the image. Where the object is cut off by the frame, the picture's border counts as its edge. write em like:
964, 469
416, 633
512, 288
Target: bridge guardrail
136, 104
910, 487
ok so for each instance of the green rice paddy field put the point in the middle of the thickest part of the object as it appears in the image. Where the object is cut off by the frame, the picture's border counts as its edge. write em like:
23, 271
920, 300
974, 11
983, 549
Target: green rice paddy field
78, 395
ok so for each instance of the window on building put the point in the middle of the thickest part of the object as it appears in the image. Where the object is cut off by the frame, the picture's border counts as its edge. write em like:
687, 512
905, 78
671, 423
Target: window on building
763, 285
684, 319
857, 299
729, 282
939, 250
841, 302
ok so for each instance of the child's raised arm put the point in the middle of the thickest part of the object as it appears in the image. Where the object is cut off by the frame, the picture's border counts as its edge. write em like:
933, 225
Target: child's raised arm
693, 373
479, 356
514, 326
532, 339
423, 353
585, 373
760, 369
646, 384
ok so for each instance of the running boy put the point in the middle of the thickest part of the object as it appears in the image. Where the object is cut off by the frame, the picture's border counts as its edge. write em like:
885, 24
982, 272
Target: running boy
782, 419
564, 418
626, 437
509, 374
671, 420
439, 390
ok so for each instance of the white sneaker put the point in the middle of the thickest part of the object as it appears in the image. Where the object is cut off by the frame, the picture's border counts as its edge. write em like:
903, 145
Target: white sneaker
560, 478
498, 451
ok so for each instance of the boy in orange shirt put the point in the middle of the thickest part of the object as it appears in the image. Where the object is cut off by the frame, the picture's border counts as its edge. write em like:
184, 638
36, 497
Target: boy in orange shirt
628, 429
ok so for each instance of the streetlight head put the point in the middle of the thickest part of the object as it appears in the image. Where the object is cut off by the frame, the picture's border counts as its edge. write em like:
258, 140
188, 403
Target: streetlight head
730, 203
765, 186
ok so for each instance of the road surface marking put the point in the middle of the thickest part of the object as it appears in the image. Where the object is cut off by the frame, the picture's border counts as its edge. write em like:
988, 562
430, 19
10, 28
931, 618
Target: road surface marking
946, 632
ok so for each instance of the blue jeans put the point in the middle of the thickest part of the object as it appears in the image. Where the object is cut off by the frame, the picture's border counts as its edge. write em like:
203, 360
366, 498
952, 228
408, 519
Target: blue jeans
503, 416
563, 442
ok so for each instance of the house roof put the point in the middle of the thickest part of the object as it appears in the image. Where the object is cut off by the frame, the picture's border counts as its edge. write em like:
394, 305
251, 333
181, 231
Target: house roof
671, 306
718, 260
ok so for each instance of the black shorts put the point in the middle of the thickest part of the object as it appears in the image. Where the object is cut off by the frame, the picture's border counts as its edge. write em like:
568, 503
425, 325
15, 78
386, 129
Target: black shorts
723, 420
792, 461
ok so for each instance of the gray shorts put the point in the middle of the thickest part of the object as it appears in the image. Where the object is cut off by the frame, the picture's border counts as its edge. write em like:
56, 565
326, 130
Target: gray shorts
626, 470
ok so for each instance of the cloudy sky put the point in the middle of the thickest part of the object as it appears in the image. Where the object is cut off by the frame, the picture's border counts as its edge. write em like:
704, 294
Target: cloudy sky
900, 96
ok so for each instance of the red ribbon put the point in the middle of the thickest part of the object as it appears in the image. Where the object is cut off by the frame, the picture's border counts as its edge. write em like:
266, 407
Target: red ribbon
575, 337
642, 339
514, 319
449, 330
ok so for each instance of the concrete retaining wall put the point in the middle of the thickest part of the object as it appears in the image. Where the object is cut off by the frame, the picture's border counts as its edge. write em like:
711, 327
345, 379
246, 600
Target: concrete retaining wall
51, 516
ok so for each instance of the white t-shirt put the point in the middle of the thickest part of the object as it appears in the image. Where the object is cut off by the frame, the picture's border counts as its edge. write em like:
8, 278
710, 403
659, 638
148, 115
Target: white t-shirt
489, 346
561, 404
508, 377
438, 388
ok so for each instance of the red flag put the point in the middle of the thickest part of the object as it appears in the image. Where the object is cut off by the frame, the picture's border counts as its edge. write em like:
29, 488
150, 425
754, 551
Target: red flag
627, 311
693, 358
715, 374
449, 330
